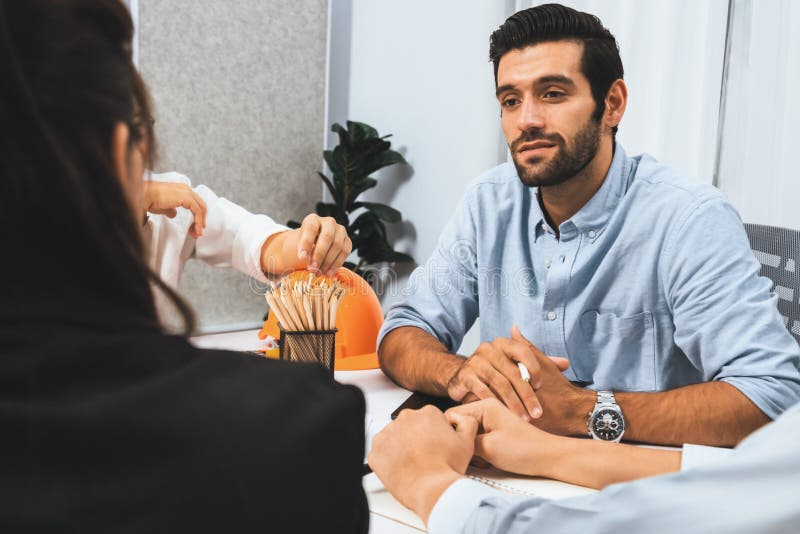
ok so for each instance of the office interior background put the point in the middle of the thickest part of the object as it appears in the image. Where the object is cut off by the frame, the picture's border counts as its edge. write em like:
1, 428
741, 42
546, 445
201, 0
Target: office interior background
245, 92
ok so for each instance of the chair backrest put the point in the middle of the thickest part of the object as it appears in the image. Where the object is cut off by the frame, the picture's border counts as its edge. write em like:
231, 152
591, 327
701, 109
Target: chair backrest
778, 251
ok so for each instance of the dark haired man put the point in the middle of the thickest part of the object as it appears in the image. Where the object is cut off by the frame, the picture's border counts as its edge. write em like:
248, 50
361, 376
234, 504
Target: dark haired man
641, 278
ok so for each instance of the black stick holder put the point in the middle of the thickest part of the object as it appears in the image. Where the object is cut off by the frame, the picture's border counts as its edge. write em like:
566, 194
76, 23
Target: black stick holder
315, 346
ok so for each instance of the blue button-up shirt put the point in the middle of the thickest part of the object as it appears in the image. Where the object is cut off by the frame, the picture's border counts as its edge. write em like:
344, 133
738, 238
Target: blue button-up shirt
650, 286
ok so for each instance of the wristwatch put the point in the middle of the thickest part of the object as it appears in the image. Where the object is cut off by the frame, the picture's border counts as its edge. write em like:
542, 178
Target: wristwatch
606, 421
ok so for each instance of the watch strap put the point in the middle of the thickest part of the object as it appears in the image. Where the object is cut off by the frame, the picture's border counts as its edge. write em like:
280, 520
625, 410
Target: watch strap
605, 399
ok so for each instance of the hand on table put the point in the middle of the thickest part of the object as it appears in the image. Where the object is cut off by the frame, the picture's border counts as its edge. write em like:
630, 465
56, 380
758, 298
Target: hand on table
421, 454
492, 372
320, 244
164, 198
508, 443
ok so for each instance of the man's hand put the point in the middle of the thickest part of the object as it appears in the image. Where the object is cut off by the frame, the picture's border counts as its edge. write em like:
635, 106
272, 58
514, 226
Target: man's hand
493, 372
507, 442
164, 198
420, 454
320, 244
565, 407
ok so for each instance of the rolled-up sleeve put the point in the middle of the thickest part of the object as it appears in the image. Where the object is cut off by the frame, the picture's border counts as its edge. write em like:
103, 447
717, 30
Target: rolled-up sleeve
726, 317
442, 294
233, 236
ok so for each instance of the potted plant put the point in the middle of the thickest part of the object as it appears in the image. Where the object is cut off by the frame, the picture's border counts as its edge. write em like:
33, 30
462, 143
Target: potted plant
360, 153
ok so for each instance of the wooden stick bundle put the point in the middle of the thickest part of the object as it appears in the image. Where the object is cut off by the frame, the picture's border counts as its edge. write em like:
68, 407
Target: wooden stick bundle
309, 303
306, 311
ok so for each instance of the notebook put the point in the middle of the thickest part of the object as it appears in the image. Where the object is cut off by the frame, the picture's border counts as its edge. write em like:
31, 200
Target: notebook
382, 503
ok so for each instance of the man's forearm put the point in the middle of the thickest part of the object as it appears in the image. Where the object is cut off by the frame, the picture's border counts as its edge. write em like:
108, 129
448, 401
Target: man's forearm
713, 413
417, 361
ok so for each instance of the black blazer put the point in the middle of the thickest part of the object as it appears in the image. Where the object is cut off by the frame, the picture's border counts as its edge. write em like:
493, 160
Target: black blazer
135, 431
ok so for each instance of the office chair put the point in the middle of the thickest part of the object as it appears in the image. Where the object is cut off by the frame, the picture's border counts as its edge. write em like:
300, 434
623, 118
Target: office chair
778, 251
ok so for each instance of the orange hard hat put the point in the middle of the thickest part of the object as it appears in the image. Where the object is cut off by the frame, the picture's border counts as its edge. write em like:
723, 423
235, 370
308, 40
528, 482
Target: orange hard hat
358, 320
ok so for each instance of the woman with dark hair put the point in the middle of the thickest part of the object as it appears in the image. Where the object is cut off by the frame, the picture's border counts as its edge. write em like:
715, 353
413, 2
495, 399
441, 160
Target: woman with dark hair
107, 423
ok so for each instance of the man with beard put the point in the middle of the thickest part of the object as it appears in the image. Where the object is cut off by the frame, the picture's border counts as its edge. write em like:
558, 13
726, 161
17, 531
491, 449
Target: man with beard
638, 284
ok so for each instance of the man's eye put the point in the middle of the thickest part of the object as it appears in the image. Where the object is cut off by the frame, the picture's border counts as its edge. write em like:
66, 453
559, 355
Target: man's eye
510, 102
554, 94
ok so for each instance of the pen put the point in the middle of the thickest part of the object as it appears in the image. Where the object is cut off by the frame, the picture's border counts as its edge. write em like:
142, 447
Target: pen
526, 375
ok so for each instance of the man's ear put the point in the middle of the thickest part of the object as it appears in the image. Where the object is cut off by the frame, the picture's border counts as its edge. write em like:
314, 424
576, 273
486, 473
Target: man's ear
119, 152
616, 100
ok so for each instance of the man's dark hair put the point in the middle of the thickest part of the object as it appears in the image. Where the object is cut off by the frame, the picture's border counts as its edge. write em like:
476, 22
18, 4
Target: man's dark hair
600, 63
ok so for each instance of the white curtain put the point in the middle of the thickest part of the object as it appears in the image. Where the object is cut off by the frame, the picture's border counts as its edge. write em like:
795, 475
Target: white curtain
673, 54
760, 138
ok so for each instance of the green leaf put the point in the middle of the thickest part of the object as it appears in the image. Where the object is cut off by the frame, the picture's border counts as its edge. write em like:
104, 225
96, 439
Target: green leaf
348, 161
368, 225
333, 165
325, 209
332, 189
351, 171
370, 147
360, 131
382, 211
382, 251
344, 137
379, 251
358, 188
384, 159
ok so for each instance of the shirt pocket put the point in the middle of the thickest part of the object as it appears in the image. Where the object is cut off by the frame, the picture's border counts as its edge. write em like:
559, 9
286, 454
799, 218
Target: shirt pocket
620, 352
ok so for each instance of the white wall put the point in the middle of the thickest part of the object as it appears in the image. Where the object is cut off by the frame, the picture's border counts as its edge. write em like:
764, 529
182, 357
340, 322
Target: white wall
420, 70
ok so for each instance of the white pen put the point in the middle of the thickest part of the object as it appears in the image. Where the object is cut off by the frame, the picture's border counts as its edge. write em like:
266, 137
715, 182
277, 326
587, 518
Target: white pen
526, 375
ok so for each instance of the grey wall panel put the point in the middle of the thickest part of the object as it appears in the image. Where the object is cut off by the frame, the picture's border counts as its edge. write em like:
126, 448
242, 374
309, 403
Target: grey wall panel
239, 89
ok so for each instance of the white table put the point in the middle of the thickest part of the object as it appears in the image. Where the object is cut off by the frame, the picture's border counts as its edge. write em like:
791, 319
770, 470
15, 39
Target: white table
382, 397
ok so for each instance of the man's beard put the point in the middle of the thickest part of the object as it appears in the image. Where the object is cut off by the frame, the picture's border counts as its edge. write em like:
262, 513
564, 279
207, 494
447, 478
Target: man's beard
566, 163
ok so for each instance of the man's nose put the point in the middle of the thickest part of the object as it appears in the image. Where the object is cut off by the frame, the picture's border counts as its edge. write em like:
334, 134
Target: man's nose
531, 116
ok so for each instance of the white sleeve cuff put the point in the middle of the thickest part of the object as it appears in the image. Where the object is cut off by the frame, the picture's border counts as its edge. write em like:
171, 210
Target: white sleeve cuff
250, 239
702, 455
456, 504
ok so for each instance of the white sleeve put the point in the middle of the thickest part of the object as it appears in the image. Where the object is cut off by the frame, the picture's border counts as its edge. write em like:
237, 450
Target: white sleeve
233, 236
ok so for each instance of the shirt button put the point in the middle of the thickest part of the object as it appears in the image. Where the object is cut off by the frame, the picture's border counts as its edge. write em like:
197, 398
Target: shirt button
551, 316
591, 234
547, 264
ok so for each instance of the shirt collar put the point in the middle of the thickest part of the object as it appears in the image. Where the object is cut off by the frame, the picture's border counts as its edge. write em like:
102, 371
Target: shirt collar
593, 216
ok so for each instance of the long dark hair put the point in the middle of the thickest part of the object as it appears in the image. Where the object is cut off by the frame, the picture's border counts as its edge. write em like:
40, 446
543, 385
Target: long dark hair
66, 80
601, 62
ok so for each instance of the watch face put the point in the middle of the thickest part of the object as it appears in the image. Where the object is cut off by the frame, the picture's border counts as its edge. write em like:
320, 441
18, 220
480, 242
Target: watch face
607, 424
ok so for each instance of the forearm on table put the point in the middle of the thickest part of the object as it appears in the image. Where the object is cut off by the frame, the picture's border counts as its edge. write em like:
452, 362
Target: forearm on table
713, 413
597, 464
416, 360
